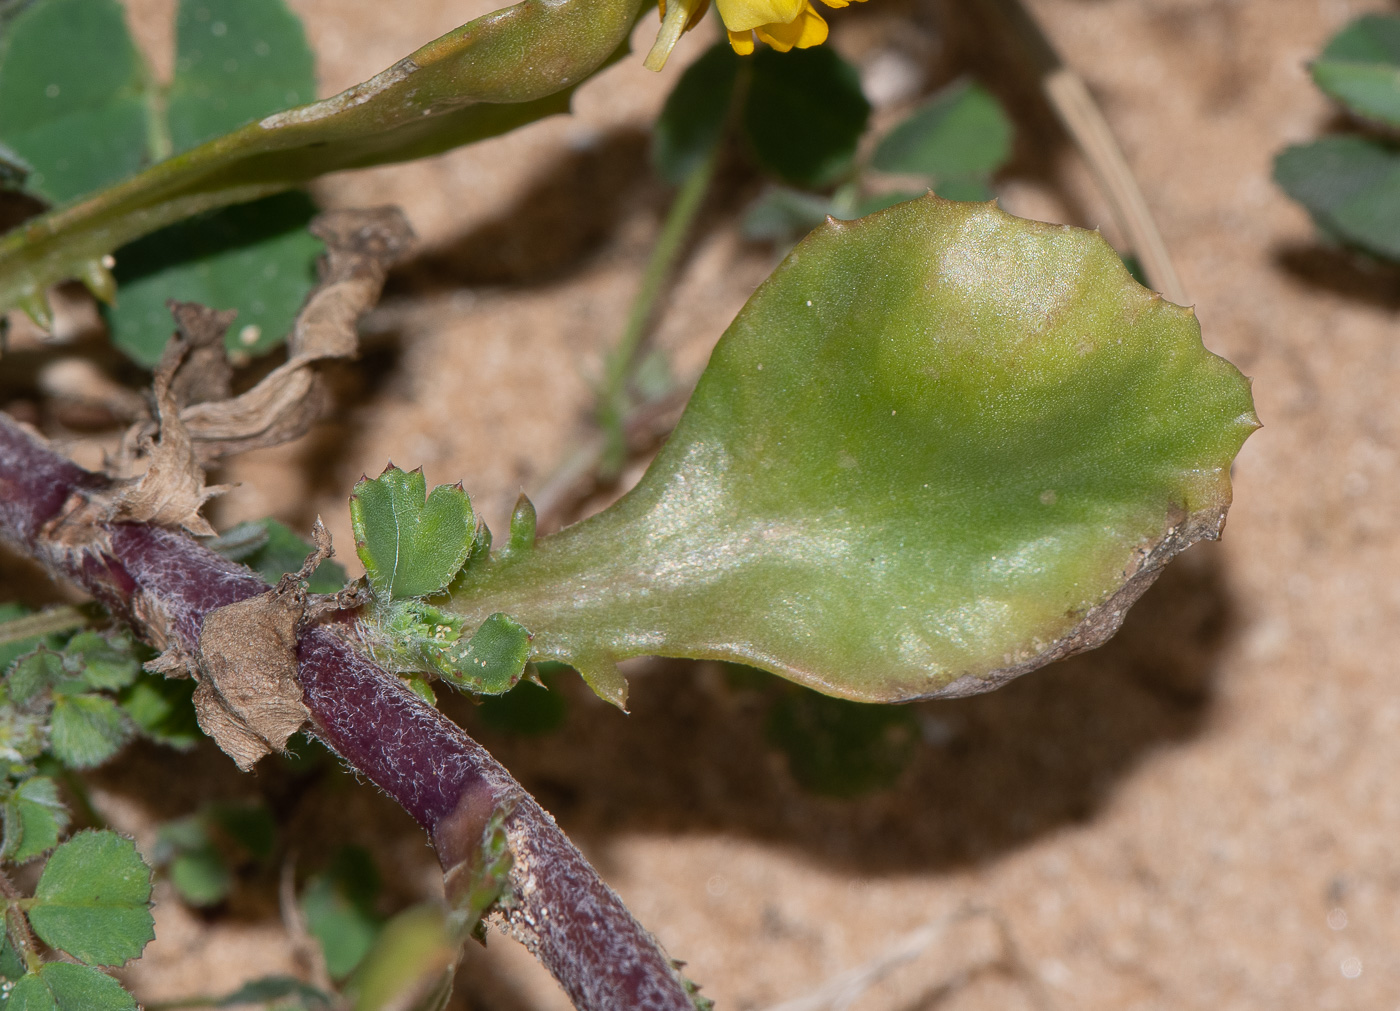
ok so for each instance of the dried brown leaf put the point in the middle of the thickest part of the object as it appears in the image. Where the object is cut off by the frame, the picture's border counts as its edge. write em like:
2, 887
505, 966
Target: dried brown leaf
360, 248
248, 697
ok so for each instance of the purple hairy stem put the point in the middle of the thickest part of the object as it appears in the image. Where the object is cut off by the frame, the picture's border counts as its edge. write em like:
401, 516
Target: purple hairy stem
164, 583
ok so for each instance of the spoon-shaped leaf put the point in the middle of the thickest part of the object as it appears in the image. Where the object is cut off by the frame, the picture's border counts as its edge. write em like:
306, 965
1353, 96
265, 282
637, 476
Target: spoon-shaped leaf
939, 447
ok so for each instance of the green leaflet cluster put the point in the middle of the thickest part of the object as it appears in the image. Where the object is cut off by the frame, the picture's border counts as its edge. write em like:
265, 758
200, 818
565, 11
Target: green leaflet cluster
80, 110
1350, 182
69, 706
413, 545
800, 117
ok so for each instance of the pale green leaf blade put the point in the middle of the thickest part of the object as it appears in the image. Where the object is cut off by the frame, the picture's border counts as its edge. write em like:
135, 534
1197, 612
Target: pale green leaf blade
87, 730
93, 899
939, 447
72, 101
62, 986
411, 543
1361, 68
235, 61
961, 133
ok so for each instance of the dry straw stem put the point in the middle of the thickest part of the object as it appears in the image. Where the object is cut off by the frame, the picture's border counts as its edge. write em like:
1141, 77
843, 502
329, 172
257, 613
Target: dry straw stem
1085, 123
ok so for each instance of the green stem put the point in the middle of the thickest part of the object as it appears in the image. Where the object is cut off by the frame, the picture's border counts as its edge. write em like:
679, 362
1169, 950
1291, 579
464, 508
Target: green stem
612, 396
55, 619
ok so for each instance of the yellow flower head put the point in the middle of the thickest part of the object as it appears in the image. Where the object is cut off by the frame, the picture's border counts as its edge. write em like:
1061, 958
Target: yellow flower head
783, 24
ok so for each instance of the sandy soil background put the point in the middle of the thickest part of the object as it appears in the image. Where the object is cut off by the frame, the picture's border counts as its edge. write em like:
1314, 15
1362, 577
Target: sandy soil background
1203, 814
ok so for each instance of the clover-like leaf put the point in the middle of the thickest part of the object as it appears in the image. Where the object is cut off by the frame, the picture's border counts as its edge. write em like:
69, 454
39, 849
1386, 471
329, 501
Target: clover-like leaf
93, 899
72, 96
62, 986
960, 135
86, 730
939, 447
466, 86
411, 543
1361, 67
35, 816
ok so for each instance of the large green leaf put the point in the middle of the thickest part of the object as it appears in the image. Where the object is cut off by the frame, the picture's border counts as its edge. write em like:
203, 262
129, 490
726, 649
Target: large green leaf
72, 96
93, 899
1361, 68
488, 77
940, 446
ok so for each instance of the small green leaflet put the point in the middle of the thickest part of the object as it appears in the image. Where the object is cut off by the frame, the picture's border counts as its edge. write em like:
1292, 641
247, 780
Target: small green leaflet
411, 543
235, 61
804, 114
495, 657
86, 730
61, 986
163, 709
40, 671
1351, 186
35, 817
93, 900
102, 662
1361, 68
958, 139
72, 97
257, 258
339, 908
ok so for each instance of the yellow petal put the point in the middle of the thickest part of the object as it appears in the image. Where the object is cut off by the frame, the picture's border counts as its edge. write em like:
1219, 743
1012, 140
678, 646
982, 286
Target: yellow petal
808, 29
682, 16
742, 42
741, 15
839, 3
